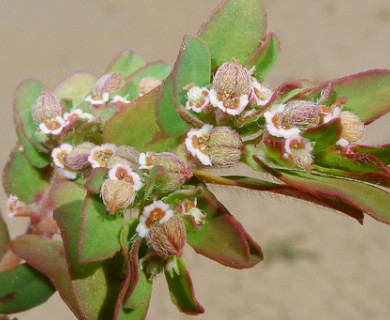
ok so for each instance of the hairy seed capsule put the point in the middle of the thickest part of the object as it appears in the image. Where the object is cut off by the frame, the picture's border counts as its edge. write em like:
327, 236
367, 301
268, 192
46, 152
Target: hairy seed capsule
107, 83
124, 155
353, 128
46, 107
148, 84
167, 238
301, 114
225, 147
117, 195
77, 159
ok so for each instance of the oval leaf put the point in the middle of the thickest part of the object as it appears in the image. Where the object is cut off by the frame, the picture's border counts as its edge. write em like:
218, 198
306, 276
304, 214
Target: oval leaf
126, 63
4, 237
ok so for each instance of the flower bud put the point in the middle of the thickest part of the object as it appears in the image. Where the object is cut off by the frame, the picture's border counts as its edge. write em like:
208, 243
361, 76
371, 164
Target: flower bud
353, 128
175, 172
232, 85
167, 238
117, 195
77, 159
148, 84
301, 114
225, 147
124, 155
46, 107
107, 83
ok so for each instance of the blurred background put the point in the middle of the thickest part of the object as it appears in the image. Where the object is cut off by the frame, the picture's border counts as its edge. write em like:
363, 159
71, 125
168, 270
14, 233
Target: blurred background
319, 264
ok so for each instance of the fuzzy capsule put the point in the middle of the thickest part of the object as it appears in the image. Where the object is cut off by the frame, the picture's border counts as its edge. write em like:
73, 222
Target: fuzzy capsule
124, 155
117, 195
301, 114
353, 128
175, 172
225, 147
77, 159
148, 84
108, 83
167, 238
46, 107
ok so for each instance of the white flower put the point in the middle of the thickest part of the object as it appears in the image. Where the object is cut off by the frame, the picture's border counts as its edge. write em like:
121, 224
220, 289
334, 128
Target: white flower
260, 93
197, 98
77, 115
233, 106
120, 99
274, 123
60, 154
330, 115
197, 143
98, 100
99, 155
52, 126
124, 172
15, 207
156, 213
298, 151
68, 173
146, 159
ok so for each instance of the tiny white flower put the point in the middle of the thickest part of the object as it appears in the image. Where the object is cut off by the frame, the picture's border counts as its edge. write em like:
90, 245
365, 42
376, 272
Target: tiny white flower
197, 98
197, 143
330, 115
342, 143
52, 126
15, 207
77, 115
124, 172
99, 155
98, 100
233, 106
120, 99
274, 124
146, 159
60, 153
298, 151
259, 93
156, 213
68, 173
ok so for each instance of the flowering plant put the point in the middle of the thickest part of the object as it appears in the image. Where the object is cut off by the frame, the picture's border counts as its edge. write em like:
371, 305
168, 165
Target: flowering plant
119, 165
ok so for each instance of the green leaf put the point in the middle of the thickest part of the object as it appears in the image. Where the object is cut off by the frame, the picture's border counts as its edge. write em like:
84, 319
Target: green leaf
265, 57
325, 135
181, 289
234, 30
193, 66
48, 256
25, 96
367, 92
135, 125
23, 180
158, 70
4, 237
75, 87
95, 180
126, 63
222, 238
381, 152
95, 285
98, 227
168, 118
23, 288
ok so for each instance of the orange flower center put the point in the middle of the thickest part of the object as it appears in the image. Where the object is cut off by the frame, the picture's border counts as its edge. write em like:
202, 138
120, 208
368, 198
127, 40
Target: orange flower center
155, 216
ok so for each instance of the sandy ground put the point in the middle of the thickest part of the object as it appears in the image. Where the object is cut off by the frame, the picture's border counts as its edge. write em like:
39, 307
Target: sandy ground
321, 265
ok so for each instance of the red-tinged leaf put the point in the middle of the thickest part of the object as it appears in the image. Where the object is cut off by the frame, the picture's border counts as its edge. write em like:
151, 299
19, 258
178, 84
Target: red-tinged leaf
23, 288
4, 237
363, 197
234, 30
168, 118
95, 180
98, 226
26, 94
95, 285
265, 57
367, 92
127, 126
193, 66
126, 63
48, 256
222, 238
325, 135
381, 152
75, 87
181, 289
23, 180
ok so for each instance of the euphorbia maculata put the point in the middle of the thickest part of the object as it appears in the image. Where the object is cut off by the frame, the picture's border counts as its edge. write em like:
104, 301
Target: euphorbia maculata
118, 165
